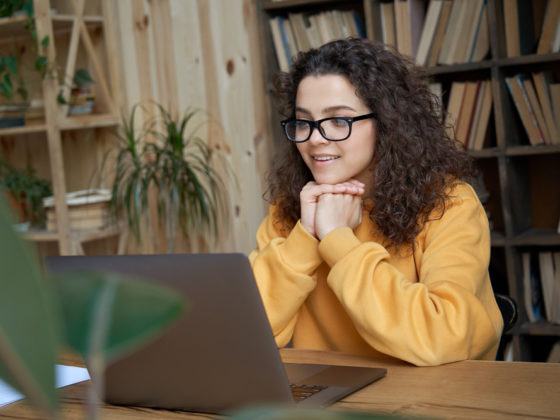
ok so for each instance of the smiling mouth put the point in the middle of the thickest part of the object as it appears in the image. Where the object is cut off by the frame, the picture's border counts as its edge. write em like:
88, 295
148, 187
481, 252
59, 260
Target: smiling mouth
325, 158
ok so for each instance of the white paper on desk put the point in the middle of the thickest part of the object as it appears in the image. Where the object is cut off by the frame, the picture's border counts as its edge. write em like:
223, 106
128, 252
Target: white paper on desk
65, 375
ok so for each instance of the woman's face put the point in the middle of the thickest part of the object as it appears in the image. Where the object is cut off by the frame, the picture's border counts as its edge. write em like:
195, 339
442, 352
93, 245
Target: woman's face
333, 162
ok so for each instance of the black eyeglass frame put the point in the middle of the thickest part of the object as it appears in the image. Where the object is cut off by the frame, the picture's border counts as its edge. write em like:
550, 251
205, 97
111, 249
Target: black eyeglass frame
317, 125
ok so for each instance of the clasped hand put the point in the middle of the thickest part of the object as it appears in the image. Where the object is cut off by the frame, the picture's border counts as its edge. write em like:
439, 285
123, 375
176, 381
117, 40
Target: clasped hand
326, 207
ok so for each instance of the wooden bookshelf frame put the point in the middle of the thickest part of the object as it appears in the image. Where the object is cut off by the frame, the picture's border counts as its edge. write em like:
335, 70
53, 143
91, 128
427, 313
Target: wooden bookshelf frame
510, 145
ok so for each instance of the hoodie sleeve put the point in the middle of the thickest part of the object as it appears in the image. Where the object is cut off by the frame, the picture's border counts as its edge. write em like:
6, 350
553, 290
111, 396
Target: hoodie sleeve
450, 314
284, 268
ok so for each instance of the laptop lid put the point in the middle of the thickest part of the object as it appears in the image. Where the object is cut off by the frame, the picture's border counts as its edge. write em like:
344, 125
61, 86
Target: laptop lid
221, 354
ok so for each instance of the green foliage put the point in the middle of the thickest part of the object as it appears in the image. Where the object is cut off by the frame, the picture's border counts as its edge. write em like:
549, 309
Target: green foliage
25, 186
102, 316
82, 78
191, 194
10, 72
9, 7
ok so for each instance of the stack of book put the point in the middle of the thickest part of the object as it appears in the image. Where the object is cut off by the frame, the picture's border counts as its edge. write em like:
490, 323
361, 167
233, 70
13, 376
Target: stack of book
531, 26
12, 115
541, 283
87, 209
537, 100
444, 32
300, 32
468, 112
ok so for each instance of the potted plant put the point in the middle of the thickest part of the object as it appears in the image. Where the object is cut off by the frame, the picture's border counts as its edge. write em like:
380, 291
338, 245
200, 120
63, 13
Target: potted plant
81, 96
192, 195
13, 87
26, 192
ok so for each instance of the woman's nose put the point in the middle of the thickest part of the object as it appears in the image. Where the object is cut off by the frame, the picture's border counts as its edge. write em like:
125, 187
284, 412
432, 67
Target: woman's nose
316, 137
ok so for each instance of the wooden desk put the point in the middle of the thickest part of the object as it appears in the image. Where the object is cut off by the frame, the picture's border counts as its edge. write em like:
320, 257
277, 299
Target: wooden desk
463, 390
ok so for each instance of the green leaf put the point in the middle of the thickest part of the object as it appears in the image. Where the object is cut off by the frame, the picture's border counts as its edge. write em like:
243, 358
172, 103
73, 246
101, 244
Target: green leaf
29, 336
41, 63
82, 78
45, 41
136, 311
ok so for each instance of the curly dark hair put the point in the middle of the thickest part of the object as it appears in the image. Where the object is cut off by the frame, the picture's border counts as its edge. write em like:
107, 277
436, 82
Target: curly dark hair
415, 161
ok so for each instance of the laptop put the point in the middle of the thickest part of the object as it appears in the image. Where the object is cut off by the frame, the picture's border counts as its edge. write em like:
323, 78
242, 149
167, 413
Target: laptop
221, 355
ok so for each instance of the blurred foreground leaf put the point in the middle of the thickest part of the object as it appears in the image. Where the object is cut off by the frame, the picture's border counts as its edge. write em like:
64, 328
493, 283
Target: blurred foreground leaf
29, 336
121, 312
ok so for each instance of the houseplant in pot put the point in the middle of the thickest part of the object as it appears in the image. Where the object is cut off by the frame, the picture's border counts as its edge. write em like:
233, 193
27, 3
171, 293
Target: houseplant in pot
166, 162
26, 192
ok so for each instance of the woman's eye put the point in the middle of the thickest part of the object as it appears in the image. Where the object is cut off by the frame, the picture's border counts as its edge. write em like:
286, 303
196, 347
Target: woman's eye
339, 122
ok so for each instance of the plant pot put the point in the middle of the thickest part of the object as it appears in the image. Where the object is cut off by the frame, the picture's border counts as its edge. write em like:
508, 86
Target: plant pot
17, 206
81, 101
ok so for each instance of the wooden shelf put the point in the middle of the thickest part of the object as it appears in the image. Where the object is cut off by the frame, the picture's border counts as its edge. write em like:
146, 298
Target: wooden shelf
537, 237
25, 129
83, 235
459, 68
272, 5
497, 239
490, 152
540, 328
532, 150
519, 176
77, 122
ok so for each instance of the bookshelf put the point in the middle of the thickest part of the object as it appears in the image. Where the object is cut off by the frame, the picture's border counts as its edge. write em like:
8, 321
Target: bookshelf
520, 179
64, 148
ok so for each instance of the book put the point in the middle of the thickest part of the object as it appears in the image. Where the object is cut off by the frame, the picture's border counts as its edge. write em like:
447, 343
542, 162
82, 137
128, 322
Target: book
541, 82
550, 26
409, 19
550, 286
481, 42
298, 26
440, 33
454, 107
428, 31
554, 90
521, 101
536, 109
387, 11
289, 40
481, 117
554, 355
511, 27
466, 113
532, 287
556, 41
468, 31
451, 37
279, 48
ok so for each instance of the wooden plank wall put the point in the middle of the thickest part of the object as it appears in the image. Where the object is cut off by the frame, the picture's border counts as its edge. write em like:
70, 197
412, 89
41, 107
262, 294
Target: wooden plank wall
204, 54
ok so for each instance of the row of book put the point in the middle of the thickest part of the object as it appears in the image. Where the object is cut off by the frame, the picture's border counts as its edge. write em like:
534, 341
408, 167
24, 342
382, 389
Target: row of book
541, 285
300, 32
537, 100
531, 26
468, 112
443, 32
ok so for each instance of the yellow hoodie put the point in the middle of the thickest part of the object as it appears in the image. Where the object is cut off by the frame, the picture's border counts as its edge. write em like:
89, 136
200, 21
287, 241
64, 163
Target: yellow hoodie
348, 293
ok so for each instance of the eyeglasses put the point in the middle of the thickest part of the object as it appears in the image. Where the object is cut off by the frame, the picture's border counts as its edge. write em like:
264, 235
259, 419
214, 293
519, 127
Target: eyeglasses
332, 129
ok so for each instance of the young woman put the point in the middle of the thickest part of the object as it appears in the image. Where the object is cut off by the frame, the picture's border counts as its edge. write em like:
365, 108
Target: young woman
374, 243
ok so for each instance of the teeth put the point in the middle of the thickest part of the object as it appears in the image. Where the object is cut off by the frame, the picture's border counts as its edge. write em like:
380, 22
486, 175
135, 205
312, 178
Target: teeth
323, 158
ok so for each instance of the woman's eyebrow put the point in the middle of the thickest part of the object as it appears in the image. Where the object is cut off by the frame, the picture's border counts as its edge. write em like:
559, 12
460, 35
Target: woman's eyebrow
329, 109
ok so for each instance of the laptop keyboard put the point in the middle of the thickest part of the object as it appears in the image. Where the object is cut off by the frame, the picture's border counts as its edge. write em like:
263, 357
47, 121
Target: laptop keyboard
301, 392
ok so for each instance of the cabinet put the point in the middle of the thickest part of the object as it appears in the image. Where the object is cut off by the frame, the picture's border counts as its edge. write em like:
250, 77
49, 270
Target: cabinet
67, 149
522, 180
